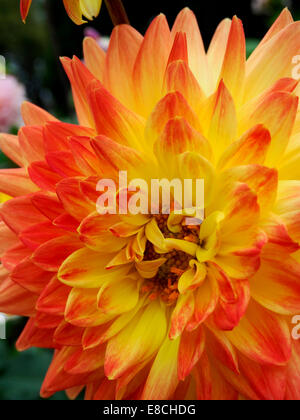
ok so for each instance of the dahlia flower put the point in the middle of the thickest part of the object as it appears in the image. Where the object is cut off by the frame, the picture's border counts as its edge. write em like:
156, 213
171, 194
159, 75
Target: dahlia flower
151, 307
12, 94
76, 9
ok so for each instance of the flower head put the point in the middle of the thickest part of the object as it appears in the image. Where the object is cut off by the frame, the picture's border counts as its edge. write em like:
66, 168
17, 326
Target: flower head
152, 307
76, 9
12, 94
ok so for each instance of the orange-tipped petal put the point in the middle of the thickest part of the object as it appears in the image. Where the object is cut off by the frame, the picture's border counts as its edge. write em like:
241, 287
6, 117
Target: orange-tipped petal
9, 145
234, 65
293, 374
191, 348
186, 22
282, 104
171, 106
113, 120
24, 8
272, 61
280, 274
124, 46
179, 78
32, 336
181, 315
16, 182
34, 115
251, 148
80, 77
94, 57
125, 351
217, 49
16, 300
223, 125
20, 213
153, 54
163, 377
87, 269
262, 336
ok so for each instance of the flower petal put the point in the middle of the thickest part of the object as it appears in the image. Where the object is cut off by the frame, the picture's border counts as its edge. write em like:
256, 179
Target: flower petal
94, 57
278, 273
186, 22
148, 84
138, 341
262, 336
124, 46
163, 377
234, 64
190, 351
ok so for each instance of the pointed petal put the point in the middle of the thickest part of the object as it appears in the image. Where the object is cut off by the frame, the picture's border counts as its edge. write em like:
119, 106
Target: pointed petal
113, 120
24, 8
206, 298
179, 78
284, 106
148, 84
119, 296
16, 182
47, 204
9, 145
57, 135
20, 213
171, 106
251, 148
280, 273
43, 176
34, 115
32, 336
31, 277
272, 61
53, 298
32, 143
124, 46
51, 254
16, 300
94, 57
190, 351
84, 361
181, 315
234, 64
85, 157
87, 269
217, 49
82, 310
80, 77
186, 22
138, 341
74, 202
293, 374
163, 378
262, 336
223, 125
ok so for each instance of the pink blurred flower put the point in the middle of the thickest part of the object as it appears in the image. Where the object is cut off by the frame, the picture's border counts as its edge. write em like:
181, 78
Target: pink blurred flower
12, 94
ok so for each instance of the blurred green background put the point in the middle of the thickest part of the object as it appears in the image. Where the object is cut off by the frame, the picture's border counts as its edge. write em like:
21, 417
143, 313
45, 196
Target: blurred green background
32, 52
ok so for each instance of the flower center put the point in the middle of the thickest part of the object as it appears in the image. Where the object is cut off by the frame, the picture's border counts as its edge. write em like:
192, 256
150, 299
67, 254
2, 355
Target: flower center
165, 283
